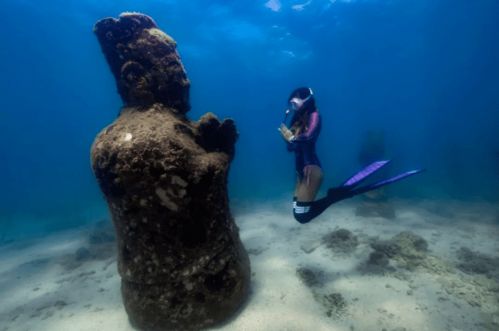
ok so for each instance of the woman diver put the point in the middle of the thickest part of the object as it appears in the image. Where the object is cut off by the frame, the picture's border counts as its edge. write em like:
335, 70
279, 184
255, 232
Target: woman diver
300, 138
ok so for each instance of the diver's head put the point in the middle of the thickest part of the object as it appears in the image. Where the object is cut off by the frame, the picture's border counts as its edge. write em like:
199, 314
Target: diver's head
301, 99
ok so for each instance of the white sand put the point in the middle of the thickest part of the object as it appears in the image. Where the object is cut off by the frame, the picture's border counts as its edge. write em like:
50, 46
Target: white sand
39, 292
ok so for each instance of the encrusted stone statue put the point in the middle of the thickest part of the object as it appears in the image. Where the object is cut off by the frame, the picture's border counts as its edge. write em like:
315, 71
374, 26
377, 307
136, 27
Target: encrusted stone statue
164, 177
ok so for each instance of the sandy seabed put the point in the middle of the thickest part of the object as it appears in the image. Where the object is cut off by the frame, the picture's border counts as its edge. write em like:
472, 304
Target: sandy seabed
448, 281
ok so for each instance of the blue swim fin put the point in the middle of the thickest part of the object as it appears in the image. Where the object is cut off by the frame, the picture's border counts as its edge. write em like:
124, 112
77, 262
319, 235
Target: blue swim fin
364, 173
384, 182
347, 190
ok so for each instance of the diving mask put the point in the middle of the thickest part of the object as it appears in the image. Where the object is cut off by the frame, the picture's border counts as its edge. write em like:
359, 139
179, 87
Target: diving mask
297, 103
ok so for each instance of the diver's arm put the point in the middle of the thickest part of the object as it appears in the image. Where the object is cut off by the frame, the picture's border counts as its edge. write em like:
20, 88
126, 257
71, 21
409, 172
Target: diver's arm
312, 130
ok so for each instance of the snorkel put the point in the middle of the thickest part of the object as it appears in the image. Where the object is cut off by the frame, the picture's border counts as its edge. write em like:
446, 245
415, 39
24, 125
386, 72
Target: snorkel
286, 113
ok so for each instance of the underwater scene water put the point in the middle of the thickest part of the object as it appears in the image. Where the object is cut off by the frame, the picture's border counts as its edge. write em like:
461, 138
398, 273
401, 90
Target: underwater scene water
413, 82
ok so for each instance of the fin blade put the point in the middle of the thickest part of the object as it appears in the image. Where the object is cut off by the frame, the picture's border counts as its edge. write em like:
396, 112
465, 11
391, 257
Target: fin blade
390, 180
365, 172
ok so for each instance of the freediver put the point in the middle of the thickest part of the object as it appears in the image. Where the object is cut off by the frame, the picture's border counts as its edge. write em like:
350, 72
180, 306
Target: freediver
300, 137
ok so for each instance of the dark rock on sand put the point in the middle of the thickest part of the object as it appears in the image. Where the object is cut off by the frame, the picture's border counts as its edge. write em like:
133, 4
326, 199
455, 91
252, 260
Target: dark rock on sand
385, 248
341, 241
182, 264
60, 304
379, 259
334, 303
406, 248
478, 263
377, 263
309, 277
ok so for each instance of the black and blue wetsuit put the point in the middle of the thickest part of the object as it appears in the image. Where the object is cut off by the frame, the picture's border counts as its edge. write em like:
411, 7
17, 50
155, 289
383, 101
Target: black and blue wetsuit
304, 143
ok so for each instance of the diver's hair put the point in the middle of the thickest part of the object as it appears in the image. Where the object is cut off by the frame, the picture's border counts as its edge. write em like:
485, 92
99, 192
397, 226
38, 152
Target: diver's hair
303, 93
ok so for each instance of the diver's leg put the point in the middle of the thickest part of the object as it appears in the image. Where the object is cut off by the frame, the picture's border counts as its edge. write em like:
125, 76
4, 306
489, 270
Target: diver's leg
306, 190
311, 209
305, 208
305, 211
308, 186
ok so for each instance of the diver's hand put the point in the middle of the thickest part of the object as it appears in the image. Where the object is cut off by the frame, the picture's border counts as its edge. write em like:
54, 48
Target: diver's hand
286, 133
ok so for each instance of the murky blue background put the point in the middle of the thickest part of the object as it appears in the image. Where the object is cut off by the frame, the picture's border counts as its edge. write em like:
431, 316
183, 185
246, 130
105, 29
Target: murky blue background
424, 72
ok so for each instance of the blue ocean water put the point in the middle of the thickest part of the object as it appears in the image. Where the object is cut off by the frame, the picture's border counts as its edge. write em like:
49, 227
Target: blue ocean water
425, 73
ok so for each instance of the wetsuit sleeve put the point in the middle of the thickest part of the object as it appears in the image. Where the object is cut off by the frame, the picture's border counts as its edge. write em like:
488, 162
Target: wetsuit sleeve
313, 128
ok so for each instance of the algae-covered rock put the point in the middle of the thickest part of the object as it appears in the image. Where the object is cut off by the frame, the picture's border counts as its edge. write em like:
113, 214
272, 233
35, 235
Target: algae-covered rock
334, 304
164, 177
379, 259
477, 290
341, 241
412, 249
311, 278
407, 248
478, 263
386, 248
